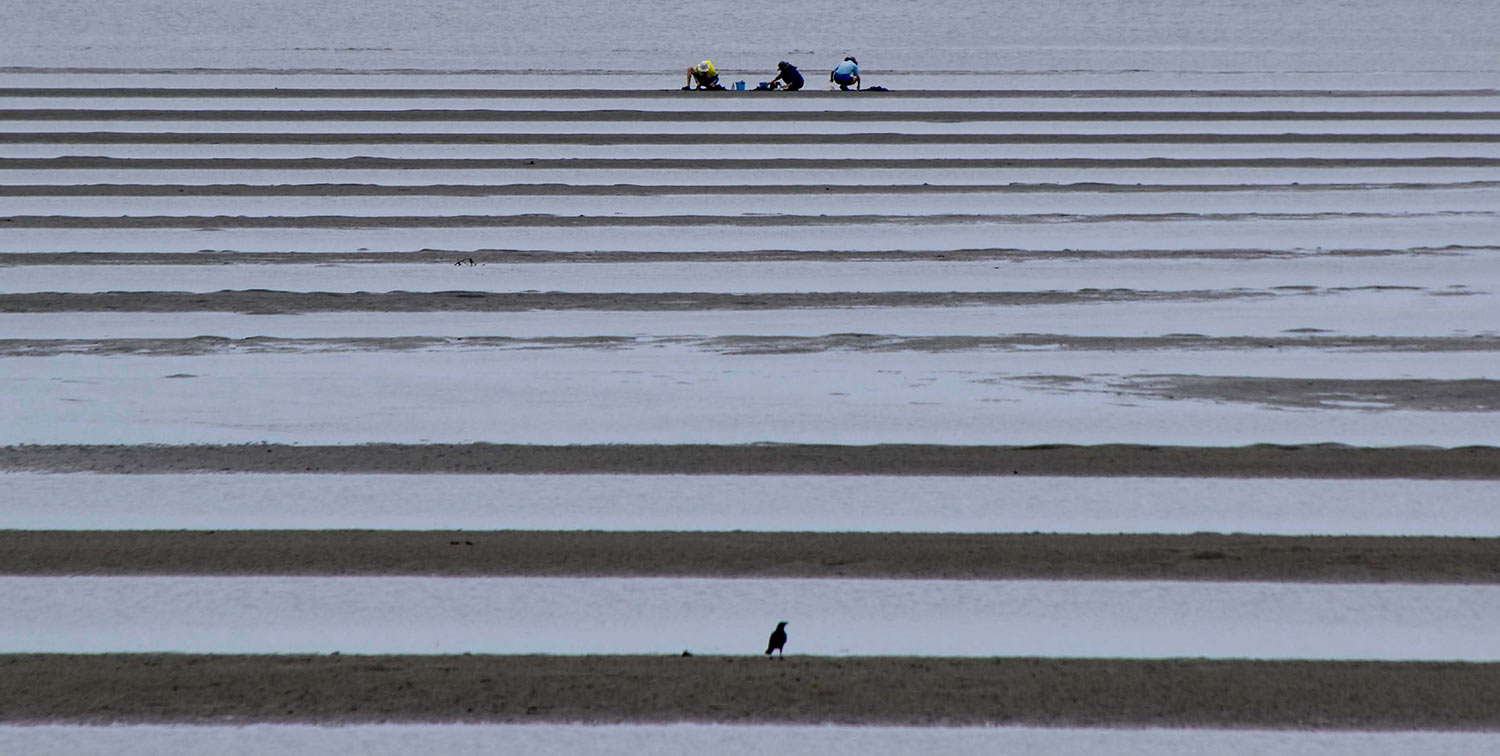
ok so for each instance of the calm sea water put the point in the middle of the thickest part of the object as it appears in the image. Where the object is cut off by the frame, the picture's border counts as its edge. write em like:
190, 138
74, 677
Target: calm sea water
960, 38
1142, 619
668, 740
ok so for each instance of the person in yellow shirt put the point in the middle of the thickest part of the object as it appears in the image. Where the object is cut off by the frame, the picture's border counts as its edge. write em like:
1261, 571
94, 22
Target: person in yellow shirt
704, 75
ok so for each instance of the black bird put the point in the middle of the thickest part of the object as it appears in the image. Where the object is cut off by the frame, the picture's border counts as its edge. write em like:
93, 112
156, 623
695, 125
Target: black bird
778, 640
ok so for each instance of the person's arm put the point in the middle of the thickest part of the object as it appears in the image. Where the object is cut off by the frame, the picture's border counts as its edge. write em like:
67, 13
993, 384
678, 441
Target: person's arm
856, 82
690, 77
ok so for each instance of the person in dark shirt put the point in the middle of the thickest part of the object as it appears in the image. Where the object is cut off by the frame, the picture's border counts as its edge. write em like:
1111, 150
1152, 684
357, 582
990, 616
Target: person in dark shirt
789, 77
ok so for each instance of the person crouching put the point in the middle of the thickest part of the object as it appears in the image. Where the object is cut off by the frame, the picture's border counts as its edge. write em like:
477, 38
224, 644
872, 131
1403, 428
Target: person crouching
787, 77
846, 73
704, 75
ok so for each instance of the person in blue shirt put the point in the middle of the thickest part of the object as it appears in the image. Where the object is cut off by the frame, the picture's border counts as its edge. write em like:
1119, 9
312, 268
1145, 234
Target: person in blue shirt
846, 73
788, 75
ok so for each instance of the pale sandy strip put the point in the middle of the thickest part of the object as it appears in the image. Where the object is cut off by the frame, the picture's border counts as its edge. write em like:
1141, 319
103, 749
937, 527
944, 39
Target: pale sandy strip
282, 302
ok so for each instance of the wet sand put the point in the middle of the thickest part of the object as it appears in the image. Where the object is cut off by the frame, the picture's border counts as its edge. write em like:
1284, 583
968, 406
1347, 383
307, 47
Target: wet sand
953, 556
1256, 461
198, 689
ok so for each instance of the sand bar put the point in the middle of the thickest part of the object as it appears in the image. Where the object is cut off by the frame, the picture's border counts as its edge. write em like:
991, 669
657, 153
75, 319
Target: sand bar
261, 301
957, 556
1258, 461
237, 689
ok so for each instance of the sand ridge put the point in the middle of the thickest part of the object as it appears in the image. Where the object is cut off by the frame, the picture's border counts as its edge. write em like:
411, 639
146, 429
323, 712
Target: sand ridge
265, 301
339, 689
1102, 460
953, 556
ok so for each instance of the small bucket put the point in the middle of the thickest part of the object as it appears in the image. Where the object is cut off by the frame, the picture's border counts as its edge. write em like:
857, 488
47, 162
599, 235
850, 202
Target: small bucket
739, 86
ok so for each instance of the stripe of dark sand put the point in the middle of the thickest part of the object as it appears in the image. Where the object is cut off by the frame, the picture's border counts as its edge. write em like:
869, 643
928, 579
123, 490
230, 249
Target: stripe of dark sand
988, 556
1255, 461
198, 689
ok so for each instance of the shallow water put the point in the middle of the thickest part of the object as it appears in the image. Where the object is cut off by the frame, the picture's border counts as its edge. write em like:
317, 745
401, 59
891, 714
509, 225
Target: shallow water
671, 393
1322, 271
728, 740
1283, 37
762, 503
1143, 619
1458, 272
1373, 201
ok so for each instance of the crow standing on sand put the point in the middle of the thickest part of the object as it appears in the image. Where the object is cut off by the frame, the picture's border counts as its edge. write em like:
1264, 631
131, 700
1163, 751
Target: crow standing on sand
778, 640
